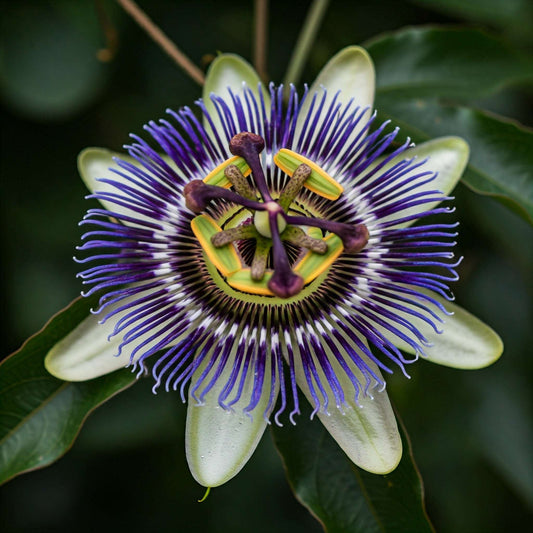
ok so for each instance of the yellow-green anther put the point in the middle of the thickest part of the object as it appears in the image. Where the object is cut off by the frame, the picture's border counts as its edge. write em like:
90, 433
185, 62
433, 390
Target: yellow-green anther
225, 258
217, 176
292, 188
239, 182
297, 236
313, 265
319, 181
259, 263
233, 234
242, 281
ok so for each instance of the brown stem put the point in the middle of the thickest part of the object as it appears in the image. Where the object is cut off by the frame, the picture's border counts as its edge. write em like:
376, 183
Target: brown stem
162, 40
110, 34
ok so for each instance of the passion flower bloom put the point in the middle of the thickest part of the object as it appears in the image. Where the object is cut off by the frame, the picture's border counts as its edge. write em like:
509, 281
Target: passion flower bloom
268, 246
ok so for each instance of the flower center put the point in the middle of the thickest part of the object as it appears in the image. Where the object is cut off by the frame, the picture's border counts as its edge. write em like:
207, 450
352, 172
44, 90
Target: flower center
272, 224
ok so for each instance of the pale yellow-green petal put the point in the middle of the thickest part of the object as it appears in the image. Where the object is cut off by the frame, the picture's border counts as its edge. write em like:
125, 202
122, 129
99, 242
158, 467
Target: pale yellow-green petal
230, 71
350, 71
85, 353
312, 264
219, 442
466, 342
225, 258
217, 176
448, 156
319, 181
365, 429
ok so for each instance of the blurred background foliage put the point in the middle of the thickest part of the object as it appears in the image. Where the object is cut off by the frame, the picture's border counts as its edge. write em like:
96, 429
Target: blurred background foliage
471, 431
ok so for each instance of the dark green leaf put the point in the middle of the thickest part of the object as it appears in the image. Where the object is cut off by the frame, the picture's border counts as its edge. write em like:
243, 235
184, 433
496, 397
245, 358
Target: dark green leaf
49, 67
460, 63
515, 16
501, 159
344, 498
40, 415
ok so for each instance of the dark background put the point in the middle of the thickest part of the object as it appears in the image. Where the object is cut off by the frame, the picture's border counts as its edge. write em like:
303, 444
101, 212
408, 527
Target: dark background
471, 431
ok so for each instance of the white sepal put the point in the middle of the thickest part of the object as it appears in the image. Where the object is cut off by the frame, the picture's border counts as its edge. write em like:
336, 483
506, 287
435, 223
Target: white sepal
230, 72
447, 156
350, 71
218, 441
86, 353
365, 428
465, 342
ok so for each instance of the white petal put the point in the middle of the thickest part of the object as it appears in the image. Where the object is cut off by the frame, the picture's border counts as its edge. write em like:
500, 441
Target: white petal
466, 342
86, 353
219, 442
447, 155
94, 164
350, 71
229, 71
368, 432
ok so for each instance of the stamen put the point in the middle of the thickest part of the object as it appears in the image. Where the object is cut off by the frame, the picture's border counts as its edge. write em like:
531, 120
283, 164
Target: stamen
292, 188
239, 182
249, 146
198, 195
354, 237
297, 236
319, 181
234, 234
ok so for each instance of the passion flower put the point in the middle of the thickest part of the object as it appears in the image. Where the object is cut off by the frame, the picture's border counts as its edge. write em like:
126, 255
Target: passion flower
268, 246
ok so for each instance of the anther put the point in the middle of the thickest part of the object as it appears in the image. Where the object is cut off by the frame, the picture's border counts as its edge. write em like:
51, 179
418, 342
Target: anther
233, 234
294, 186
297, 236
239, 182
259, 263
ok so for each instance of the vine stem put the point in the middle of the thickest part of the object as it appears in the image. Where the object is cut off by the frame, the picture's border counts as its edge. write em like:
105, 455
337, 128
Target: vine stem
162, 40
260, 41
305, 40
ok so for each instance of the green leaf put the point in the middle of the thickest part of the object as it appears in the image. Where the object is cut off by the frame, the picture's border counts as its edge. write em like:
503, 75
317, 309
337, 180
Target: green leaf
343, 497
501, 158
445, 62
49, 69
41, 415
516, 16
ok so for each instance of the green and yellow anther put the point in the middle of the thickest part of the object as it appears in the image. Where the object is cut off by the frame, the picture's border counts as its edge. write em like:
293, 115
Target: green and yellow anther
218, 177
319, 181
224, 258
